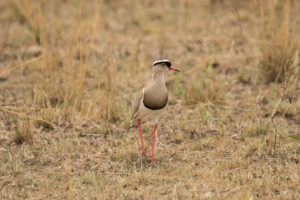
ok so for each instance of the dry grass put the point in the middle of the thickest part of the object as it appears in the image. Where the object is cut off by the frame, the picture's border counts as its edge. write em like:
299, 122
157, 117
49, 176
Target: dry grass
205, 92
70, 69
23, 131
278, 46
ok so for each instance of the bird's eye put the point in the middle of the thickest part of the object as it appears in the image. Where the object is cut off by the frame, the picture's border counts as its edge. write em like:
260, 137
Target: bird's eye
163, 64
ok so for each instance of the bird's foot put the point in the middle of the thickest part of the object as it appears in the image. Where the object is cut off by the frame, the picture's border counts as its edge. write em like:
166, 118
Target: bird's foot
143, 154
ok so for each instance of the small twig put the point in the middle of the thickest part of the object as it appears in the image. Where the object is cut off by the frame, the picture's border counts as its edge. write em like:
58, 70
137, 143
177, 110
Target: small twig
278, 103
284, 92
271, 118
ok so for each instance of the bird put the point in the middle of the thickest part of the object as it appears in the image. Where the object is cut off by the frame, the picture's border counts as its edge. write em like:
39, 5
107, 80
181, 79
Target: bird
152, 100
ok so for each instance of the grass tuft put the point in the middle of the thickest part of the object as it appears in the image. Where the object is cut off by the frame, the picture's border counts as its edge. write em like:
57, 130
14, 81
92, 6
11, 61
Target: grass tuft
23, 131
278, 46
255, 128
109, 107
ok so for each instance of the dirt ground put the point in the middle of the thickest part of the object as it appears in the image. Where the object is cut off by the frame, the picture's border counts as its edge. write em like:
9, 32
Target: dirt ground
69, 71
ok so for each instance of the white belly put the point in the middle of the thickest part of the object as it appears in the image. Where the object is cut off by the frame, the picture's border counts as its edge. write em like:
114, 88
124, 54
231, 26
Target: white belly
146, 114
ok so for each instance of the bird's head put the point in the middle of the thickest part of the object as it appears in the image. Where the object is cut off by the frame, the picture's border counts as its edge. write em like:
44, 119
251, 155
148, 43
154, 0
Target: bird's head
163, 65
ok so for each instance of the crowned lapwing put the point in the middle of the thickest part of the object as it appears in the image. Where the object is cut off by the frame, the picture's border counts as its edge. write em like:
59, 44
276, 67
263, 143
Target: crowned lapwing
152, 100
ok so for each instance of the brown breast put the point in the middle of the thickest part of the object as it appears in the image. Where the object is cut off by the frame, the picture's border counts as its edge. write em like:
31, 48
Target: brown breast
155, 96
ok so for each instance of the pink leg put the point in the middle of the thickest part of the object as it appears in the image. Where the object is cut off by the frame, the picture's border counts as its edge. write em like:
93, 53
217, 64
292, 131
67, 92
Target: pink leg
139, 125
153, 138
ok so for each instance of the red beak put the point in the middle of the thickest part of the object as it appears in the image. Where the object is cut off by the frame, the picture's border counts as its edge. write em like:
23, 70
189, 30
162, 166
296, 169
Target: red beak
173, 68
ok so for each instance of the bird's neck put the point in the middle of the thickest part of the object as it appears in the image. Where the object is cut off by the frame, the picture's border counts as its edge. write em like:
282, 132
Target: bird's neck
158, 76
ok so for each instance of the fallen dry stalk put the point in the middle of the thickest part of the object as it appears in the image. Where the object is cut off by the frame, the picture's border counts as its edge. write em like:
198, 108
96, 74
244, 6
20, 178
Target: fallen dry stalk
28, 116
20, 65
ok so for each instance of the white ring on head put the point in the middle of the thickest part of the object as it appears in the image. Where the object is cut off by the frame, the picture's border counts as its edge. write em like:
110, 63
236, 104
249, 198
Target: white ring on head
160, 61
